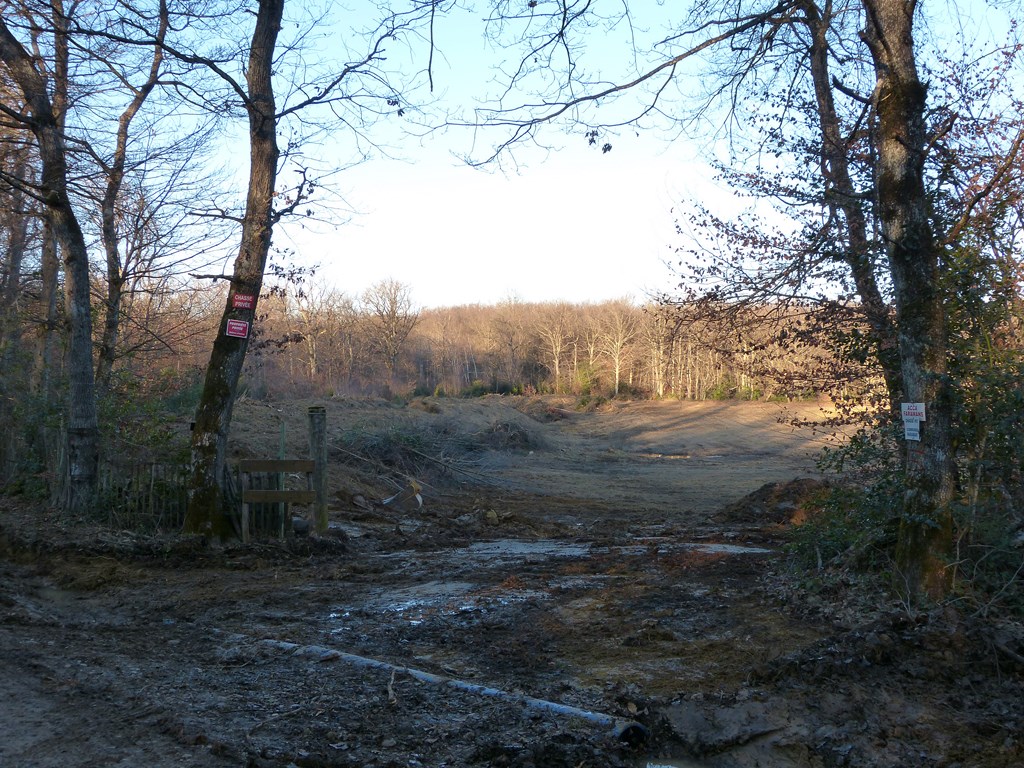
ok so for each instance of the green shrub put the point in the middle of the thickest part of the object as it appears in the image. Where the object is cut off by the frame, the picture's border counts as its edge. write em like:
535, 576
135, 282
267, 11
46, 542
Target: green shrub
855, 524
725, 389
853, 527
476, 389
422, 390
136, 423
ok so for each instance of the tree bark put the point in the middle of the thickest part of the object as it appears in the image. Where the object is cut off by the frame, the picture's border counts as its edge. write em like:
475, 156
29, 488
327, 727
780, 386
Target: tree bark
926, 526
842, 198
17, 214
206, 512
47, 352
83, 428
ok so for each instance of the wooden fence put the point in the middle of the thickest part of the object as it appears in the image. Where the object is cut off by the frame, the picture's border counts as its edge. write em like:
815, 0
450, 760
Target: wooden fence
142, 495
151, 495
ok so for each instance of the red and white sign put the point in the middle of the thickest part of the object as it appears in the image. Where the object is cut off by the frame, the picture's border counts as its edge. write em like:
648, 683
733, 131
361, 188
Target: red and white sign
913, 415
238, 329
243, 301
912, 411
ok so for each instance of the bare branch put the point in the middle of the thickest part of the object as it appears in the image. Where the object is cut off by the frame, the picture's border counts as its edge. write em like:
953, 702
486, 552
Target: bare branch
550, 111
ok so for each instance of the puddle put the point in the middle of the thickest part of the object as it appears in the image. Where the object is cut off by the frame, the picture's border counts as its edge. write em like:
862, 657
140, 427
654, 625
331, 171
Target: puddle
57, 596
727, 549
440, 599
349, 529
668, 548
437, 599
503, 552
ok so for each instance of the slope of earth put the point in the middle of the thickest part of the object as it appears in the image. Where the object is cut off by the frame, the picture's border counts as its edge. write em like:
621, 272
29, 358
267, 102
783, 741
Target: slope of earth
578, 589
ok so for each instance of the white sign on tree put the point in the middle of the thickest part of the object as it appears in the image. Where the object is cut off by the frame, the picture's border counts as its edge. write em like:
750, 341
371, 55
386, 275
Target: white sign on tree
913, 414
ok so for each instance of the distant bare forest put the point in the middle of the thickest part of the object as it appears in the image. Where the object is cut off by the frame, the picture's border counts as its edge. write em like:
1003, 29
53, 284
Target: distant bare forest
317, 341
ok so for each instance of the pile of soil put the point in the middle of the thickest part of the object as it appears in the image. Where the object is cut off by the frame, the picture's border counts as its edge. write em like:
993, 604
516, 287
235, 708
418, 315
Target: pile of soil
779, 504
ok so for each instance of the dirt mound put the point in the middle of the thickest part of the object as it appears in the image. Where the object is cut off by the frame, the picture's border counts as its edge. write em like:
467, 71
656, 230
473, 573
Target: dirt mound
775, 504
545, 409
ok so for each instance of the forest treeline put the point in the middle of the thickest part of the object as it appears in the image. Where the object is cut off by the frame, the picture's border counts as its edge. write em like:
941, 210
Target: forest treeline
310, 339
313, 340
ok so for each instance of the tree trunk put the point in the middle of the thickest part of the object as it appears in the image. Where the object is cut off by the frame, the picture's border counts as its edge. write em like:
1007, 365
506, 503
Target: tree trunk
83, 428
47, 357
17, 239
116, 277
206, 513
842, 197
926, 525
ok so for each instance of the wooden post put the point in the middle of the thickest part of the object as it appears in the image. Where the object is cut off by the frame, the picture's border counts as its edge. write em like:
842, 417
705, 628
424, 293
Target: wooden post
318, 453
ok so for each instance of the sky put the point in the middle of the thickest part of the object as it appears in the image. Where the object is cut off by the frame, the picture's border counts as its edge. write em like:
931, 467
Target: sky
569, 223
578, 226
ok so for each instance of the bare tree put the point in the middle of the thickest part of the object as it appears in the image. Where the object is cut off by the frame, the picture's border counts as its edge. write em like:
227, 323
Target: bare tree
324, 318
554, 328
44, 118
362, 87
618, 330
391, 316
859, 174
90, 60
16, 229
509, 341
213, 417
114, 170
899, 100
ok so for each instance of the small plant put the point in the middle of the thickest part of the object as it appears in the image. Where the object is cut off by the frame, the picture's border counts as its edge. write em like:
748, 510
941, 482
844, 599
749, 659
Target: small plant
725, 389
855, 523
589, 402
852, 527
140, 424
476, 389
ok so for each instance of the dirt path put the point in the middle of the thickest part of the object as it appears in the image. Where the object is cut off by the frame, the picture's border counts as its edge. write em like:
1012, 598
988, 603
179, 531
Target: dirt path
569, 558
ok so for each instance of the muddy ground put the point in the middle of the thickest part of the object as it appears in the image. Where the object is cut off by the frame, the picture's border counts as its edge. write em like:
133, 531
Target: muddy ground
603, 588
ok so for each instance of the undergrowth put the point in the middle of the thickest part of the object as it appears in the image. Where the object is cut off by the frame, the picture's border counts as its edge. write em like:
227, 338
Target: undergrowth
852, 528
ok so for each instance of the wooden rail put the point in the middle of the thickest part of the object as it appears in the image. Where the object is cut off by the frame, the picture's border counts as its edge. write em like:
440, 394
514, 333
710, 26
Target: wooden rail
250, 495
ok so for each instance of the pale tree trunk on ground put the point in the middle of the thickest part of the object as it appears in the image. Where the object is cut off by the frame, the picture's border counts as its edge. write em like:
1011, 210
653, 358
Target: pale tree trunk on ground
926, 525
213, 415
82, 428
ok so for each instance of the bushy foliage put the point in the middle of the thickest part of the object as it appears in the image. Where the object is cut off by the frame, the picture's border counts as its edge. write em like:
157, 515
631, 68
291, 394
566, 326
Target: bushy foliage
724, 389
480, 388
32, 431
854, 526
855, 523
146, 421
